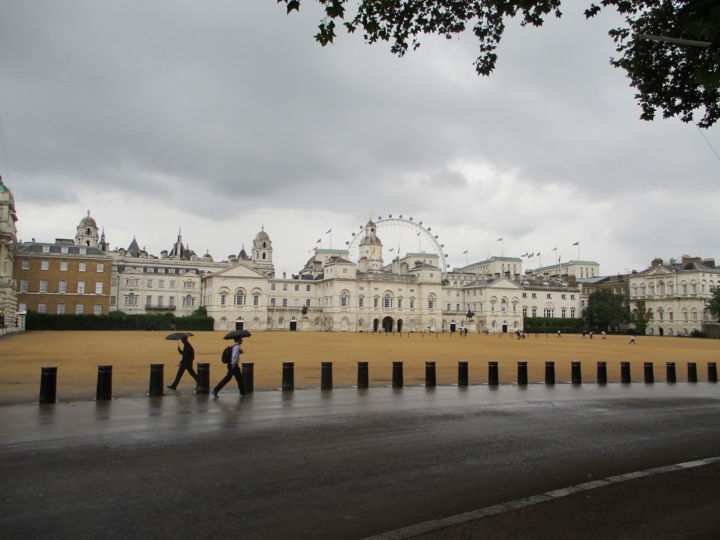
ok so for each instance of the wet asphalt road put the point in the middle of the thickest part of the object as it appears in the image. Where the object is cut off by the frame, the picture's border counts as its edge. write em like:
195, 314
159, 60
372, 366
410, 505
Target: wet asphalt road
340, 464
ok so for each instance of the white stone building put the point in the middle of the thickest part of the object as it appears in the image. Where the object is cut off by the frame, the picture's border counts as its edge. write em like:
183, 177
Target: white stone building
9, 320
675, 294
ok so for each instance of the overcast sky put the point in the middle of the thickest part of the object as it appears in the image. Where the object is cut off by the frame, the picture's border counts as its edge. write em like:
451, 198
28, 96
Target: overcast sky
224, 116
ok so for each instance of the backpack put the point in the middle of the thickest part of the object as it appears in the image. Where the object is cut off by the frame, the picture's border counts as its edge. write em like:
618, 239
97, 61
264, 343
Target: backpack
226, 355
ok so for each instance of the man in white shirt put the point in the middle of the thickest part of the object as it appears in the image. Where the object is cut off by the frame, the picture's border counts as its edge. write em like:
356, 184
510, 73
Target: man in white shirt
233, 368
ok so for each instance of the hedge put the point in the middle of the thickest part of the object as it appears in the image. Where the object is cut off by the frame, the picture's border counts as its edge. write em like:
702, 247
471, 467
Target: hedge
116, 320
551, 325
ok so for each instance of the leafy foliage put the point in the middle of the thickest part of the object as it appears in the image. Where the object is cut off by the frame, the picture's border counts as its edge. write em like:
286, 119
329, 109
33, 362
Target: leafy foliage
550, 325
640, 318
676, 79
606, 311
116, 320
714, 304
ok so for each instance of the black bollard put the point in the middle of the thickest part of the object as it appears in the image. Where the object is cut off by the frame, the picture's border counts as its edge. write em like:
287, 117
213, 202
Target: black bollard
48, 385
493, 375
522, 378
397, 377
430, 378
326, 382
712, 372
156, 379
670, 370
248, 377
649, 372
576, 372
625, 375
463, 374
602, 372
362, 376
203, 378
549, 372
288, 376
692, 372
104, 383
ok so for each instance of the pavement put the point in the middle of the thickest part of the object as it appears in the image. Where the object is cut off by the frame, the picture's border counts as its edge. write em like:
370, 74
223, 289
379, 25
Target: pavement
477, 462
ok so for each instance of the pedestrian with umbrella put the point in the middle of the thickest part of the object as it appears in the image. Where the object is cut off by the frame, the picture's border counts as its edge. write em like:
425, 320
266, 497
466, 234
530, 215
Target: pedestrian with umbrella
187, 356
233, 366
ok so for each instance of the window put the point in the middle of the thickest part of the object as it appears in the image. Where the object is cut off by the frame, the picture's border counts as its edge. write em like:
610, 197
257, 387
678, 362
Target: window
562, 296
297, 287
44, 265
387, 301
524, 295
240, 298
222, 299
62, 286
457, 307
307, 288
46, 249
572, 312
376, 301
42, 308
148, 300
26, 265
431, 301
130, 299
97, 309
98, 287
99, 268
284, 286
171, 301
399, 303
524, 311
361, 301
60, 309
563, 312
149, 283
188, 285
272, 286
344, 299
160, 301
79, 309
572, 297
113, 300
81, 287
534, 312
534, 295
284, 302
23, 285
82, 266
272, 302
188, 301
412, 303
448, 307
161, 283
43, 285
172, 284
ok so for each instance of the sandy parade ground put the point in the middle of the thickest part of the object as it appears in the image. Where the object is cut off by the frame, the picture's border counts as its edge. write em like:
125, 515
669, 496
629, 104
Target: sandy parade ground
77, 354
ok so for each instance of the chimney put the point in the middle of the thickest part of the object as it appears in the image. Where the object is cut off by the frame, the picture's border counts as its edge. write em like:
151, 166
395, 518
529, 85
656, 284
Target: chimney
710, 263
657, 261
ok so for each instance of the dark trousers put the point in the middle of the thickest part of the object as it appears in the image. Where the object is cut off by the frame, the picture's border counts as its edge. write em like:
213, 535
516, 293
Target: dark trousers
180, 372
231, 372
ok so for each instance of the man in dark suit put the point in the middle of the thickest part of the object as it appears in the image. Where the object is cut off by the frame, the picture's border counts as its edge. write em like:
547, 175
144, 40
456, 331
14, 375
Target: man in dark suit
186, 363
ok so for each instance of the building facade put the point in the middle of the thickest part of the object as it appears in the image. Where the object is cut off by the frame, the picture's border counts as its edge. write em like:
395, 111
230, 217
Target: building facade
10, 320
674, 294
62, 277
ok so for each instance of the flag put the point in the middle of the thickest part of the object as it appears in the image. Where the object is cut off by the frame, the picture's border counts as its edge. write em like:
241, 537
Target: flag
532, 254
524, 254
499, 239
328, 231
465, 252
538, 254
319, 240
576, 244
391, 249
554, 249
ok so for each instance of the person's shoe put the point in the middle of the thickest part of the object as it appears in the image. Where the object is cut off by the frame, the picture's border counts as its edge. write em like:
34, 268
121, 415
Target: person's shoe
171, 387
215, 394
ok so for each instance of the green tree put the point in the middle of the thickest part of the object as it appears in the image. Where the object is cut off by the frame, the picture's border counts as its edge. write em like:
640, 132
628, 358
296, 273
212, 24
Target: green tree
677, 79
640, 318
606, 311
714, 304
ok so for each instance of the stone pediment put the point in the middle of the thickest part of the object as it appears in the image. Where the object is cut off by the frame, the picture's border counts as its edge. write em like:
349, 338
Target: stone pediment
503, 283
239, 271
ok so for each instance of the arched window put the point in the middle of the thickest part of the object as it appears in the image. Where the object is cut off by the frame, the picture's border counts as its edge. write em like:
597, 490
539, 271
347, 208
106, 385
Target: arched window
239, 297
388, 301
431, 301
503, 305
344, 299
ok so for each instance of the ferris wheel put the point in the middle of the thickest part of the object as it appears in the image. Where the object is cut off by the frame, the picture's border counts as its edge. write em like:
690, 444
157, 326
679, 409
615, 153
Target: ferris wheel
400, 236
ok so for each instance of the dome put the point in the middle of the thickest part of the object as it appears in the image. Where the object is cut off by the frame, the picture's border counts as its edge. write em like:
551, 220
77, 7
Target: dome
87, 221
262, 236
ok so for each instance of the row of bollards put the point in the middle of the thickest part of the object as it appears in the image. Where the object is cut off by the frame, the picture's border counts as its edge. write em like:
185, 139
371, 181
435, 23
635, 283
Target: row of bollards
48, 378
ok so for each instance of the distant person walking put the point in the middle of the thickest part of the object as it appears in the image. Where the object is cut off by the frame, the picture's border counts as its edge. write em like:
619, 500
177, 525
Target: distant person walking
233, 368
186, 363
632, 340
559, 334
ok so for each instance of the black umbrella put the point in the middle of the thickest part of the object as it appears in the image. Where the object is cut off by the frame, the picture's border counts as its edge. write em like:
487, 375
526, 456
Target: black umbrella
238, 334
178, 335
